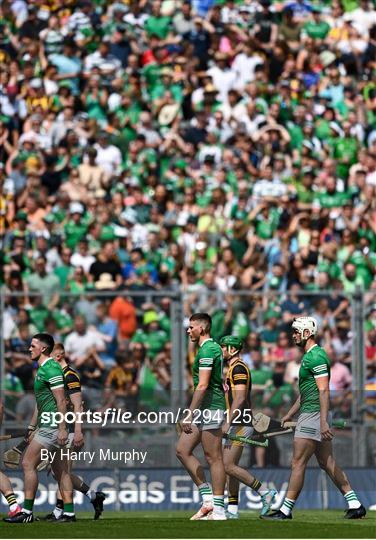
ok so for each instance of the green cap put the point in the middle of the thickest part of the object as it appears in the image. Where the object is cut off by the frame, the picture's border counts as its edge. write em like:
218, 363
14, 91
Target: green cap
232, 341
21, 215
180, 164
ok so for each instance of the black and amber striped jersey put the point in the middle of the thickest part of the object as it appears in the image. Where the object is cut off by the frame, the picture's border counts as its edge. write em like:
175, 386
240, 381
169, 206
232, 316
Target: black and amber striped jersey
72, 381
238, 373
72, 384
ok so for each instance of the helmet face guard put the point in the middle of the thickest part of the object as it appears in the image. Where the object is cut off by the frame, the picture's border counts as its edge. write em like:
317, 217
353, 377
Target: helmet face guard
231, 341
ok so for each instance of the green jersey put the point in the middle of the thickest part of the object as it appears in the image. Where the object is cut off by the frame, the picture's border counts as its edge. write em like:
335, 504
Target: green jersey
315, 364
49, 376
209, 356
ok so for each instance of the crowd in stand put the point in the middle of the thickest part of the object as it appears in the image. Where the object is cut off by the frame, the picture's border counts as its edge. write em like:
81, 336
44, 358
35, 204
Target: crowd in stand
215, 146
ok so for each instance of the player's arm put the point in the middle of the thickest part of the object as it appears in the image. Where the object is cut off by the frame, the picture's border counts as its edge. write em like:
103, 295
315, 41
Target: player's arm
32, 426
292, 412
59, 395
76, 400
236, 406
322, 383
198, 395
73, 383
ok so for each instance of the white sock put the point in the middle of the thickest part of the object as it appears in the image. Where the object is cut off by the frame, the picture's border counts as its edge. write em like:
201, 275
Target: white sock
352, 500
68, 513
232, 508
13, 507
57, 512
206, 493
287, 506
27, 511
263, 489
218, 504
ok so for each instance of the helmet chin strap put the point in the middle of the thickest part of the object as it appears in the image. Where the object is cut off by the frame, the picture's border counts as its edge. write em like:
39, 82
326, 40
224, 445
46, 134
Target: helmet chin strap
303, 340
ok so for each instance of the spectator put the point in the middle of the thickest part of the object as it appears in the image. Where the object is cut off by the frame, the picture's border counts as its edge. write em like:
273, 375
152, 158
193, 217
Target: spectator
41, 281
162, 366
108, 331
123, 312
83, 343
106, 267
13, 390
121, 388
341, 341
151, 336
92, 374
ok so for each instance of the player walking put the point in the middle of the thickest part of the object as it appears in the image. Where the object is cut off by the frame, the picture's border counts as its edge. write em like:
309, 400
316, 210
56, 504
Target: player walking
5, 485
50, 398
238, 422
73, 396
203, 424
313, 434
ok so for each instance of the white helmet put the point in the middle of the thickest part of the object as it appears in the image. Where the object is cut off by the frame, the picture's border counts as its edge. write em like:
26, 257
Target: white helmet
305, 323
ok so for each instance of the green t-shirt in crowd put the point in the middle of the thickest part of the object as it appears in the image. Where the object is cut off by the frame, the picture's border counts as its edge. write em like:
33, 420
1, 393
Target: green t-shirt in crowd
74, 232
316, 30
154, 341
333, 200
158, 26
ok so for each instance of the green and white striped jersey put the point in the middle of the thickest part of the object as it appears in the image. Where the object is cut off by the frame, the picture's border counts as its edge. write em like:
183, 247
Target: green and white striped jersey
315, 364
49, 376
209, 356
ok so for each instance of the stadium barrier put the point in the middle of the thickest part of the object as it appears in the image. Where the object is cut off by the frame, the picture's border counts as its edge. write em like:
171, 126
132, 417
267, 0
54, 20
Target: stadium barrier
172, 489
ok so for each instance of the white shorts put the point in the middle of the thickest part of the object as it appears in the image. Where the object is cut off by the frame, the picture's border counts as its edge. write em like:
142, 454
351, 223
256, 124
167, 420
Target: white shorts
47, 437
209, 419
308, 426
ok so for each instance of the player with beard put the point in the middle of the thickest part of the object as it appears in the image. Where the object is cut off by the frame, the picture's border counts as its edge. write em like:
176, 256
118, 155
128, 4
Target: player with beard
313, 434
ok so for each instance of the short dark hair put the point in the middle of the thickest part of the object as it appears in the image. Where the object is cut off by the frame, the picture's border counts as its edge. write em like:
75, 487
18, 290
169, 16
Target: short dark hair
203, 318
47, 339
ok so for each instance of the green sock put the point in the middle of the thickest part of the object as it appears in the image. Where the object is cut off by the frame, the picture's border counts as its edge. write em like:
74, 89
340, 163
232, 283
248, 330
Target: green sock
68, 508
28, 504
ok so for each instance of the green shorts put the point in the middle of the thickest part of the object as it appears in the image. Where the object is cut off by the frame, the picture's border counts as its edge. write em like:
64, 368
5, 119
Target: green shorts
308, 426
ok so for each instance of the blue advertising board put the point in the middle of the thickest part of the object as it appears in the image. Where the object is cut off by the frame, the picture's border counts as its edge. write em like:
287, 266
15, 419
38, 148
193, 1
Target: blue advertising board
172, 489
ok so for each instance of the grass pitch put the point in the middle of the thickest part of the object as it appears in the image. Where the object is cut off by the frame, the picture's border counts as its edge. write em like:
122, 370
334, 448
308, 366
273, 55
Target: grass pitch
305, 524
